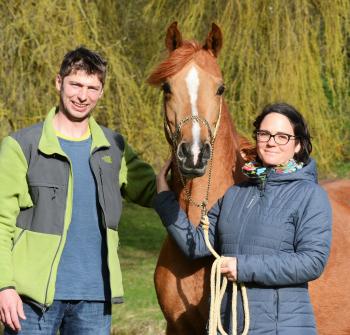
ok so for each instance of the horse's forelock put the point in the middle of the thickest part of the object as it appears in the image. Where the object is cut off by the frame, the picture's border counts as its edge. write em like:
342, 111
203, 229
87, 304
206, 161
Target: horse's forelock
178, 59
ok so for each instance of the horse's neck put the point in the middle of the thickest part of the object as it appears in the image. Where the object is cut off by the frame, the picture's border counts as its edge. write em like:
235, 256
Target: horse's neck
225, 166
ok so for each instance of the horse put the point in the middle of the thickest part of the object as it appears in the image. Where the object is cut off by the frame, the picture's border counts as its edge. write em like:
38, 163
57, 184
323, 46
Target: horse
207, 157
206, 161
330, 294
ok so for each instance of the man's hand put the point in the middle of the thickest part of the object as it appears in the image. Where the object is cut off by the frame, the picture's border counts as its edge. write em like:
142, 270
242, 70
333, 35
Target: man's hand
229, 268
162, 184
11, 308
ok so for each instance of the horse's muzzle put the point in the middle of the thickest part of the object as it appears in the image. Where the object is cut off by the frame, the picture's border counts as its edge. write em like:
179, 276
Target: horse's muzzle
193, 159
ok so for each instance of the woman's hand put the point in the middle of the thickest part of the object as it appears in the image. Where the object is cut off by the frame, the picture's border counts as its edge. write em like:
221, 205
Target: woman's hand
162, 184
229, 268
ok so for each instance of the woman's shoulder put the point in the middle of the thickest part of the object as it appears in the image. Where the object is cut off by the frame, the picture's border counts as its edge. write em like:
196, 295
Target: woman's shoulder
312, 196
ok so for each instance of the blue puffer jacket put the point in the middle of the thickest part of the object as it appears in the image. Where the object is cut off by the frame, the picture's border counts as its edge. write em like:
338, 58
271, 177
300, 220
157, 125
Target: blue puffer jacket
280, 233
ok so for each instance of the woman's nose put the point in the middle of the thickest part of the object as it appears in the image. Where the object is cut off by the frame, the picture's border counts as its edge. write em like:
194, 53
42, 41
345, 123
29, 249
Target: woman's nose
271, 141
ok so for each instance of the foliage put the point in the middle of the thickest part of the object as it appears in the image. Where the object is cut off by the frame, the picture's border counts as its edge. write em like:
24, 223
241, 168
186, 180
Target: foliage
293, 51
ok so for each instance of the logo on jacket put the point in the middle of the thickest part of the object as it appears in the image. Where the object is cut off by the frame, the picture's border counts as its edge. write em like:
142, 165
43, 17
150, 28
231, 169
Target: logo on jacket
107, 159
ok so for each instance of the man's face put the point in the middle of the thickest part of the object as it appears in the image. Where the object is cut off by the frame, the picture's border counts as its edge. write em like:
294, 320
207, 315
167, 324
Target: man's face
79, 93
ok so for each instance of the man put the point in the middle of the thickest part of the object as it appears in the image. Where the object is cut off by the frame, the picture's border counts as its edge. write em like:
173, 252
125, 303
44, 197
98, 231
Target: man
60, 204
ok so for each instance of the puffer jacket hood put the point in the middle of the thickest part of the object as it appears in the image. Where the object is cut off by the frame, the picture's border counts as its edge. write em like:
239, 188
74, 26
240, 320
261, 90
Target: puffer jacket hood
308, 172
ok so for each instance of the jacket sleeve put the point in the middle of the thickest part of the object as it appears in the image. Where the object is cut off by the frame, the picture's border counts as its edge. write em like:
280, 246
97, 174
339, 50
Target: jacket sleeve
311, 244
13, 191
137, 179
189, 238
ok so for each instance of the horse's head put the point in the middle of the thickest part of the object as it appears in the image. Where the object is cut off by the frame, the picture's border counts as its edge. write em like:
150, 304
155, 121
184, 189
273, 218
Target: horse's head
192, 84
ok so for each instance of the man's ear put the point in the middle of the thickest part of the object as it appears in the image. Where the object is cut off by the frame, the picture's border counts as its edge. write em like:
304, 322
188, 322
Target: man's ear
101, 93
59, 82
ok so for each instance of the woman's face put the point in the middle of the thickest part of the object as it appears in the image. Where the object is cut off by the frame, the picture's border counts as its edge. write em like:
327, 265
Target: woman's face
271, 153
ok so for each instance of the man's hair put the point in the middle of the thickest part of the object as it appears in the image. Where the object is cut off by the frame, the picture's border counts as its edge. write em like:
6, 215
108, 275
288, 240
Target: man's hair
85, 60
298, 123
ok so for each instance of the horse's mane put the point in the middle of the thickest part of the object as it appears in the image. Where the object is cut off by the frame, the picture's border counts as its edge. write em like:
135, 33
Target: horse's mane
189, 50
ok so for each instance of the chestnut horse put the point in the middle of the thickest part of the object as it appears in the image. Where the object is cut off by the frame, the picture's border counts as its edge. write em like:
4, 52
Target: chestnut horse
330, 294
195, 114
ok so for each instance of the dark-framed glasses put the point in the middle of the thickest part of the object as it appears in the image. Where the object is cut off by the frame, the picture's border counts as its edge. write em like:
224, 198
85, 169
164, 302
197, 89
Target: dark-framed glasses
279, 138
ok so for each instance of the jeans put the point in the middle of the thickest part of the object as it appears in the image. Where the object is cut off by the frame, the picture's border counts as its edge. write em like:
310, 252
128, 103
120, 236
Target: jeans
69, 317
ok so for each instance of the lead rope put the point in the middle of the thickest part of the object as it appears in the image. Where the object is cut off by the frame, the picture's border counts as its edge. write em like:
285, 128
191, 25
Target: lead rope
218, 283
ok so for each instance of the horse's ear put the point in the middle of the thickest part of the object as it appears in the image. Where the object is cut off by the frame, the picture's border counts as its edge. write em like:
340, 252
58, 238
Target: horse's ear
213, 42
173, 38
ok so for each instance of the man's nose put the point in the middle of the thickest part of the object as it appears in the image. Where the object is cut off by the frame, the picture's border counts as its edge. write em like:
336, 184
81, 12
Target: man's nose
82, 95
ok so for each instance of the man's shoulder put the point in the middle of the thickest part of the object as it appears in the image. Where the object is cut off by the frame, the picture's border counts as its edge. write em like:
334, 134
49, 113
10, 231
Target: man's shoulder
28, 138
114, 138
29, 133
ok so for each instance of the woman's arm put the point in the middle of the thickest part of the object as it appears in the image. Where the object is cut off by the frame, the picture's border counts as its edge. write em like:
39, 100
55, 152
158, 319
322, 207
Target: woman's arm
189, 238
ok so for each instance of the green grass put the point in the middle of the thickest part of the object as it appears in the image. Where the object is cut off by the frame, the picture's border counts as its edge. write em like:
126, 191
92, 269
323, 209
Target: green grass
343, 170
141, 235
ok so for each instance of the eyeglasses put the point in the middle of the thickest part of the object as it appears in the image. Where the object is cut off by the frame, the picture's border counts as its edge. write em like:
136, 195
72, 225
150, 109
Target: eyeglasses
279, 138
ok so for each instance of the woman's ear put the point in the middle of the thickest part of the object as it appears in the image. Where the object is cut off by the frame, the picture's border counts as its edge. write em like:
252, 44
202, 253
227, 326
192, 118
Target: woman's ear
297, 147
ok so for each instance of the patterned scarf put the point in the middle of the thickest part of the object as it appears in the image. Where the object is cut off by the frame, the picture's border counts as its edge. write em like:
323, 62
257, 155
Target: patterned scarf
255, 170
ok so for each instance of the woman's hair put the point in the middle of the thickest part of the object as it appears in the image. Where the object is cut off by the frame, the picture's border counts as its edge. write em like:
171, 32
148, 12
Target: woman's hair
298, 123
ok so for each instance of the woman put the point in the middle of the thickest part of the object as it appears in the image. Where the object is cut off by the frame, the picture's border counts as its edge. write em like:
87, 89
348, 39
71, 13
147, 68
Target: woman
274, 229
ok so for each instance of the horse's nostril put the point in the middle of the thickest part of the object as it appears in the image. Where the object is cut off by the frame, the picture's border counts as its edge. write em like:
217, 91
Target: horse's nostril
182, 152
206, 151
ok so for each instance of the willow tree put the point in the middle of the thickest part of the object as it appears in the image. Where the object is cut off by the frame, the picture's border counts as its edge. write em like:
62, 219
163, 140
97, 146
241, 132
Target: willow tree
34, 37
294, 51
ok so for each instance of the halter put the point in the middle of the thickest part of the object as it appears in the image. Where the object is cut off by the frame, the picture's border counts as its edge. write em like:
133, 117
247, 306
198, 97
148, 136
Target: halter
174, 136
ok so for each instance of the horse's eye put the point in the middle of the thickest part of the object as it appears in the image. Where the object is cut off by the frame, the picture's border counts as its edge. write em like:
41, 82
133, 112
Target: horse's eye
166, 88
221, 90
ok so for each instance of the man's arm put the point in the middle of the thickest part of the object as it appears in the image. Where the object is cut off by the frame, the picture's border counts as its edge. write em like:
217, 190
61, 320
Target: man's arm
13, 194
137, 179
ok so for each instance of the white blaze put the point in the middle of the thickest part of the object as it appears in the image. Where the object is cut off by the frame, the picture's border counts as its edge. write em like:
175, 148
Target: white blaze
192, 83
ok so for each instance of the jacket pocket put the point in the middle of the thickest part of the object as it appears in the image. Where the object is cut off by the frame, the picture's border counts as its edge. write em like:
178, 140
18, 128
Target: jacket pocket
18, 235
48, 211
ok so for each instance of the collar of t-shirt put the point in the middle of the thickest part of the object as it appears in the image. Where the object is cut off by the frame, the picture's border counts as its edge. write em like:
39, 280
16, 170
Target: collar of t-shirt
67, 138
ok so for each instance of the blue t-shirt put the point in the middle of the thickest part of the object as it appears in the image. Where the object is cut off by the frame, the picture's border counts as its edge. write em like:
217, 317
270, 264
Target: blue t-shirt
83, 271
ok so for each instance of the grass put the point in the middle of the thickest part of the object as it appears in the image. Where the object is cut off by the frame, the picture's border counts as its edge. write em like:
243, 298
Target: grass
343, 170
141, 236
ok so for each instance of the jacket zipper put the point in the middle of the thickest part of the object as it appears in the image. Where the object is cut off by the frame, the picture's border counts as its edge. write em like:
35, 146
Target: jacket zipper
104, 199
102, 210
249, 208
44, 306
105, 225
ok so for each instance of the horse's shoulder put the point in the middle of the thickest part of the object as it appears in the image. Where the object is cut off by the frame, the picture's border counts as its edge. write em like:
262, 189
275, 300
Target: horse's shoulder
338, 191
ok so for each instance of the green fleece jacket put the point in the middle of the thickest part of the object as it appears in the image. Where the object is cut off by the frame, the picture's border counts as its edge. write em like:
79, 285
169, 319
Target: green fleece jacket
36, 192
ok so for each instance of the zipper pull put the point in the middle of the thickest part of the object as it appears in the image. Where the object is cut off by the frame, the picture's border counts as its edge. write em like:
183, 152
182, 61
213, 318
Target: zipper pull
54, 193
